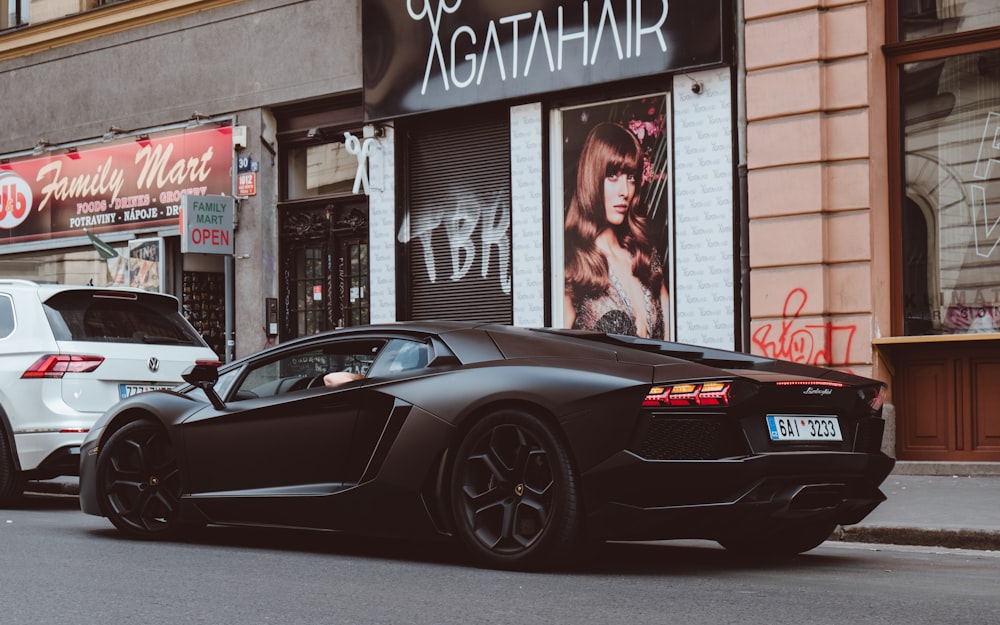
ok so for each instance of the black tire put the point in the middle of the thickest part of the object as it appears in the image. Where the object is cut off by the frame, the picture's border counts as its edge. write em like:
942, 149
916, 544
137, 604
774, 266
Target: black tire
514, 493
11, 480
781, 541
139, 482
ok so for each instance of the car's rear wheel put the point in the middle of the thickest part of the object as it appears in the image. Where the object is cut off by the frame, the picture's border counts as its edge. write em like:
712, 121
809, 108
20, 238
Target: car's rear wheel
11, 480
514, 493
139, 481
781, 540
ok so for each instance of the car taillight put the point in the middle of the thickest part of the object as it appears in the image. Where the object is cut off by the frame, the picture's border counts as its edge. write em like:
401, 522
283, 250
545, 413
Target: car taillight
810, 383
874, 397
691, 394
58, 365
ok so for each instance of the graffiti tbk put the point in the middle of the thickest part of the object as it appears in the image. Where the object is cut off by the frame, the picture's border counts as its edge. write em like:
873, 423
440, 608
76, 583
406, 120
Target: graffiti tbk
491, 217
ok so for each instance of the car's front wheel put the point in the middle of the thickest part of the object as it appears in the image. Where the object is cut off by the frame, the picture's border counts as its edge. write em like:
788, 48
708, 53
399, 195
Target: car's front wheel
139, 481
11, 480
514, 492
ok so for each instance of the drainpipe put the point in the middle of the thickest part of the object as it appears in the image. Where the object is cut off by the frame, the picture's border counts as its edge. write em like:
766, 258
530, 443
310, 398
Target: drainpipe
742, 199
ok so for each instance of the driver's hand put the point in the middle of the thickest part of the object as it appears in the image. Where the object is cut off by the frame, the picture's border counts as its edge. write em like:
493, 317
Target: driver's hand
340, 377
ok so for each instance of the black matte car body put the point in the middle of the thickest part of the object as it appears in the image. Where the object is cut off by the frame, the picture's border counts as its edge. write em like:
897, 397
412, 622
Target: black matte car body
523, 443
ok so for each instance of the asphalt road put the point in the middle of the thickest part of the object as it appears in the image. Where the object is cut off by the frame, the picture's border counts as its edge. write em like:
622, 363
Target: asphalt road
59, 566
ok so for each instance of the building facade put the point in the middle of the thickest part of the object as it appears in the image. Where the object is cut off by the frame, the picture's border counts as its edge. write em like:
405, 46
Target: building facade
816, 177
871, 139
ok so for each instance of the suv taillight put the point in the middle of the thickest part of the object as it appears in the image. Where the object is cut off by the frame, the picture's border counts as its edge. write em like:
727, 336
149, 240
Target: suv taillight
58, 365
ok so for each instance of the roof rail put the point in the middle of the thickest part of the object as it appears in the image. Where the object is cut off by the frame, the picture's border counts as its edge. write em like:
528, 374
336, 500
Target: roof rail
20, 281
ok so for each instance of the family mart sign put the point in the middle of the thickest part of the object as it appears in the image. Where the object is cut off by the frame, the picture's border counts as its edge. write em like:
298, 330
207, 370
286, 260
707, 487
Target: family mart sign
207, 224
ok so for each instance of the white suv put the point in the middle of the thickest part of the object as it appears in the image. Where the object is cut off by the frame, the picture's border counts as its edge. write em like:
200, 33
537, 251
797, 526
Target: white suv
67, 354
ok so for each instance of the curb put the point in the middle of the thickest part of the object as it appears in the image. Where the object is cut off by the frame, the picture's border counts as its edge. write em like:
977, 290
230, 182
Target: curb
979, 540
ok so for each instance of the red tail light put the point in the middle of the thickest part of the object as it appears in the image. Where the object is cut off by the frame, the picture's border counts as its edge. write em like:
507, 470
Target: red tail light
58, 365
810, 383
874, 397
693, 394
878, 400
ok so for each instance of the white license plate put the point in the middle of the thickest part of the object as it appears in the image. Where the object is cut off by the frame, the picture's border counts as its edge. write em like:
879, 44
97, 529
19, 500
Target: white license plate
128, 390
803, 428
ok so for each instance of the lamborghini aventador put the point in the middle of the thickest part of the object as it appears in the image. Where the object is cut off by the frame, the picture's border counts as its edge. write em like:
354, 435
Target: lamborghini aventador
525, 445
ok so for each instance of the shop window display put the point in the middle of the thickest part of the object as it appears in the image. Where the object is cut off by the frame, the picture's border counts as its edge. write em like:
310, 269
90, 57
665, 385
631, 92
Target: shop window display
204, 306
951, 205
920, 19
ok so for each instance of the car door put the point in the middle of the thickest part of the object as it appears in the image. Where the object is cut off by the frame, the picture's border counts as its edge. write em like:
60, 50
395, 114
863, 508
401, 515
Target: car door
283, 439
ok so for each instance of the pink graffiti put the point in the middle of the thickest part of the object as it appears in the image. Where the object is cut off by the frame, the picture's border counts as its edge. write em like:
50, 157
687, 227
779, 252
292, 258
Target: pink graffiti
803, 342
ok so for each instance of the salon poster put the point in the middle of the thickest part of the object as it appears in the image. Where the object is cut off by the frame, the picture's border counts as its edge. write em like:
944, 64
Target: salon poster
645, 117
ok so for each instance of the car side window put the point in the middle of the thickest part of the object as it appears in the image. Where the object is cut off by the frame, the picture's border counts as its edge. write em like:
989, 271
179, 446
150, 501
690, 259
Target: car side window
6, 316
401, 356
303, 369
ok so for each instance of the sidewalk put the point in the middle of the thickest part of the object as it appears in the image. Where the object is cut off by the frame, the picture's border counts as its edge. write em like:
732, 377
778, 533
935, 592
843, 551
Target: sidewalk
957, 506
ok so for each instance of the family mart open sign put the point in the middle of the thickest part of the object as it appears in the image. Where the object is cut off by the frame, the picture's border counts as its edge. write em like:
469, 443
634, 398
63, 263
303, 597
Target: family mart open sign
207, 224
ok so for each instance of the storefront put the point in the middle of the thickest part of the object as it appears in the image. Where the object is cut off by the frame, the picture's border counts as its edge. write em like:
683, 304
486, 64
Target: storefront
258, 91
323, 221
121, 197
490, 102
944, 85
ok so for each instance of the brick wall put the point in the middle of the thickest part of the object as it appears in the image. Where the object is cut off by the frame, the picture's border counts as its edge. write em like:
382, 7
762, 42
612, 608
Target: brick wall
809, 158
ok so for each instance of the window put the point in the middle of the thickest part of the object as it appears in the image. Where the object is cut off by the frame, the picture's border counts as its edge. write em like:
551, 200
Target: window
321, 169
114, 318
305, 369
13, 13
951, 208
948, 209
6, 316
928, 18
401, 356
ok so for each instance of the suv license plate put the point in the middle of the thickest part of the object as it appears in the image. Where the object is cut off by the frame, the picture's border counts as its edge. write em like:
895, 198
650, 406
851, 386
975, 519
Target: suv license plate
803, 428
128, 390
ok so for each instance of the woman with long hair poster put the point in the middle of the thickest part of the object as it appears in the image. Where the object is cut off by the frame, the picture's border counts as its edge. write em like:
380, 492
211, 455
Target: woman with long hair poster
614, 278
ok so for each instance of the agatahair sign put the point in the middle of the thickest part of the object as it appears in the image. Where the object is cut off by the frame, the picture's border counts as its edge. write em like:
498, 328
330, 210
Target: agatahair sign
424, 55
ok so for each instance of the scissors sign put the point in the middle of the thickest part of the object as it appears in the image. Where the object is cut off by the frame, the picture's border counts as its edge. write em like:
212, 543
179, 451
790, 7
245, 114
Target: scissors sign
434, 19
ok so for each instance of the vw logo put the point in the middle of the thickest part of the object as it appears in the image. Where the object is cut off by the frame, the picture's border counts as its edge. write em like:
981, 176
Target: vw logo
153, 364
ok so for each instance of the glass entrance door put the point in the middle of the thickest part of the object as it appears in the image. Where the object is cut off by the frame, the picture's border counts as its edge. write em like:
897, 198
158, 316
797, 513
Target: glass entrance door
354, 280
324, 260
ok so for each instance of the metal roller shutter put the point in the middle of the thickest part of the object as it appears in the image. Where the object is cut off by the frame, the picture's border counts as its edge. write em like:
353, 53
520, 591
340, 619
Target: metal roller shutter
459, 220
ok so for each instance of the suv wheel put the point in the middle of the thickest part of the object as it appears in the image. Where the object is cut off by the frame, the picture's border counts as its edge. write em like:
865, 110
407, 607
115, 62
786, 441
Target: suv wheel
11, 480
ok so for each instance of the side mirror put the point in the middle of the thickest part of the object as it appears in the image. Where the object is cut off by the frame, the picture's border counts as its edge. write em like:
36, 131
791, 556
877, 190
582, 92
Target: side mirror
204, 375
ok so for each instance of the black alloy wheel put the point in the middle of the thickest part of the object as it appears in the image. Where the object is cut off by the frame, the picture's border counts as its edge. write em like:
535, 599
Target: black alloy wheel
139, 481
11, 481
514, 493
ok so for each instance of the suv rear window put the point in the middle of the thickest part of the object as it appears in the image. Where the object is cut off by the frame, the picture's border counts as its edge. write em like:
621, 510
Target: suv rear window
6, 316
119, 317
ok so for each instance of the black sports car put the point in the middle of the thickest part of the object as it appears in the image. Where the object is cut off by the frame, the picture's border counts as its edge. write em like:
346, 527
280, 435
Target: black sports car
522, 443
